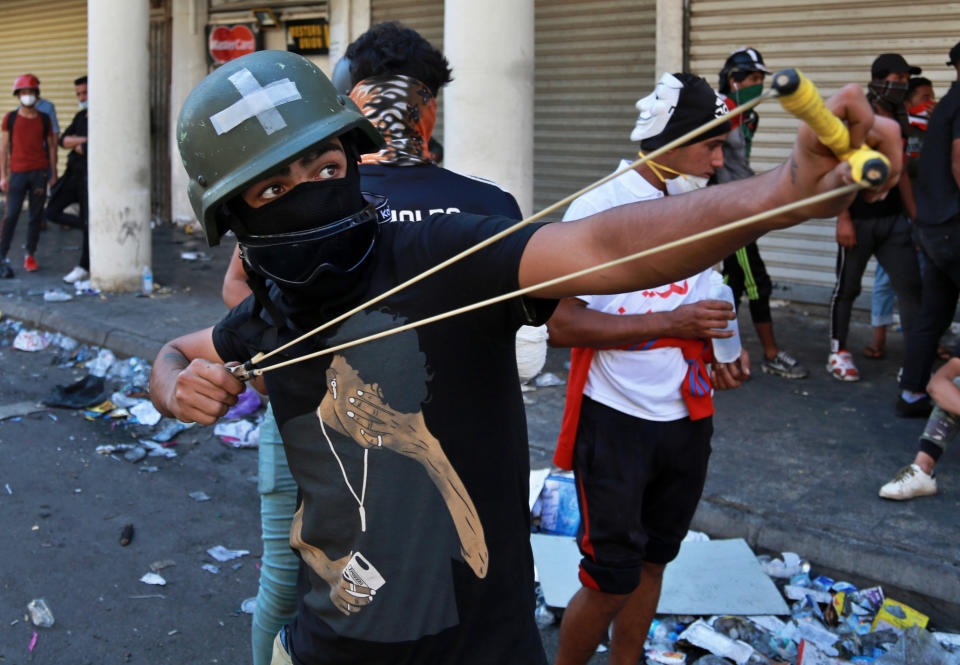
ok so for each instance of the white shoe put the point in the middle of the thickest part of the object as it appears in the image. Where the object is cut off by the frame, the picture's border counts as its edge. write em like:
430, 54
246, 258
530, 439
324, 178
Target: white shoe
840, 366
910, 481
78, 274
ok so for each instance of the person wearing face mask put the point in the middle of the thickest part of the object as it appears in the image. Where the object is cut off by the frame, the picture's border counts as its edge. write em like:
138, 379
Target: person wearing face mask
878, 228
741, 80
72, 187
28, 157
936, 231
627, 412
407, 556
394, 75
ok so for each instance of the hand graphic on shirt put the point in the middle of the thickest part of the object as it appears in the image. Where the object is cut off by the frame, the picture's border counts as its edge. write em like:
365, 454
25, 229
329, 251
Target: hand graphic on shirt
358, 410
347, 597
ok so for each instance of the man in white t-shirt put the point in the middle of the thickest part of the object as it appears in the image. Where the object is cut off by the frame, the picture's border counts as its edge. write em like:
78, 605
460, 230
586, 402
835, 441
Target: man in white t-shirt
637, 423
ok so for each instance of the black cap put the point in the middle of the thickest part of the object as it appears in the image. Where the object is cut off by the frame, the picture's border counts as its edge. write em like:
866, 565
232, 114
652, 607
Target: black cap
954, 56
891, 63
745, 60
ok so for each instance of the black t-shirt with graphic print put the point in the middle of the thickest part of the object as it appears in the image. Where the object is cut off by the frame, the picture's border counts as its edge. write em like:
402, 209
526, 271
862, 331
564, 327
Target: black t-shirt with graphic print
414, 484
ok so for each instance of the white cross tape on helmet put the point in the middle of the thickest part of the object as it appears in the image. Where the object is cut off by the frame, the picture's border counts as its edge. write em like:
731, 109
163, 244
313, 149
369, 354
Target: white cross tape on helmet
256, 101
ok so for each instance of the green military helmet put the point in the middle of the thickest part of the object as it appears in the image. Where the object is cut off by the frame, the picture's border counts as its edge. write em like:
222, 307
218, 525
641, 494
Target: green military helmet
252, 115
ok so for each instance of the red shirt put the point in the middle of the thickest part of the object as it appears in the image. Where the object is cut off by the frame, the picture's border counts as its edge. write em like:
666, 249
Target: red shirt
28, 152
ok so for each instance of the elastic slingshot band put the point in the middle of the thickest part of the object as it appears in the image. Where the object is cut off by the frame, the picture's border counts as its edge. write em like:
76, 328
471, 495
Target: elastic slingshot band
797, 94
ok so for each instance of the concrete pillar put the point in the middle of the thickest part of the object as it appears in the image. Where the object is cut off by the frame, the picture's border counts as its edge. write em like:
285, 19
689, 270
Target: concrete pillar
188, 65
348, 20
119, 139
488, 109
669, 55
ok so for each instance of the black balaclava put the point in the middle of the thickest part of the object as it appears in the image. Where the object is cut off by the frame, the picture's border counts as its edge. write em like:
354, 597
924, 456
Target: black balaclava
307, 206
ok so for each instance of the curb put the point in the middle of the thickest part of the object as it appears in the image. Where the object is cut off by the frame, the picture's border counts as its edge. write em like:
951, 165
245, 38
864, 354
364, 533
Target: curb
891, 565
85, 329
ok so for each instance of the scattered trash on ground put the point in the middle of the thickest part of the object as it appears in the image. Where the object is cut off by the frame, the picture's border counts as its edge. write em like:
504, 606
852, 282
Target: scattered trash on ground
221, 553
199, 496
31, 340
126, 535
41, 615
88, 391
238, 433
153, 578
157, 566
248, 605
56, 295
548, 379
248, 402
721, 604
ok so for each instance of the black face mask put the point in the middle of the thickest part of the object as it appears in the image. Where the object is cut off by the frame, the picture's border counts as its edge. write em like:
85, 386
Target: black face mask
317, 227
891, 92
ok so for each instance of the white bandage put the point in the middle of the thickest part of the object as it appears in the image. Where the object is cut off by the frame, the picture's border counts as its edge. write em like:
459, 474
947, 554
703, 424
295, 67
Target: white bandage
256, 101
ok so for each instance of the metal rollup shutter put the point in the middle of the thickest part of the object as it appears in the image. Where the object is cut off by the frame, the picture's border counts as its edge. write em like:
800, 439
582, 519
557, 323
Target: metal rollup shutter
48, 40
424, 16
593, 61
833, 42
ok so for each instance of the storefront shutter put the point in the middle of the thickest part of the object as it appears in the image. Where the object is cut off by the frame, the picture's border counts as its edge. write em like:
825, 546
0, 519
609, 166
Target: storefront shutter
48, 40
593, 61
833, 42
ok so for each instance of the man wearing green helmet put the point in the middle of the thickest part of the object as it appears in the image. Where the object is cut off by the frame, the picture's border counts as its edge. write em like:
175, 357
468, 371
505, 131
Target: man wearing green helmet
410, 452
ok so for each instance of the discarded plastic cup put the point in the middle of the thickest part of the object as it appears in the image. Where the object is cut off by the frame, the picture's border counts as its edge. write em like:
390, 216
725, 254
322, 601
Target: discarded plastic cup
40, 613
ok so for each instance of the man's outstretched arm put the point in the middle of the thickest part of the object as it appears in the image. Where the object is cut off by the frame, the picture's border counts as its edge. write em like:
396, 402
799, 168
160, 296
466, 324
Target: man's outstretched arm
560, 249
189, 381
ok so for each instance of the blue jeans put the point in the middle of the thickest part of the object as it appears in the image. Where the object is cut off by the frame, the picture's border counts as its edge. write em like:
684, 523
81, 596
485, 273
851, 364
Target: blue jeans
277, 595
881, 302
30, 185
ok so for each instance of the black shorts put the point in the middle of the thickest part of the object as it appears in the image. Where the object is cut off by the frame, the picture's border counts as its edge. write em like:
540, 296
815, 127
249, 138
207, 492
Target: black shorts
638, 485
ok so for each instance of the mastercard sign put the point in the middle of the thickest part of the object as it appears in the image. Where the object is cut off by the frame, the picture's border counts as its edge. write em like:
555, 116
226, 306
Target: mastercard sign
226, 44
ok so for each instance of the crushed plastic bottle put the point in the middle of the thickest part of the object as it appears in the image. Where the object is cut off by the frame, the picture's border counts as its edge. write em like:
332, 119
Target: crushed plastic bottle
146, 285
40, 613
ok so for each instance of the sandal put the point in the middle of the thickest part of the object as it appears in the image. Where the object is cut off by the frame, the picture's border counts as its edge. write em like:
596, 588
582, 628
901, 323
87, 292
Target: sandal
873, 352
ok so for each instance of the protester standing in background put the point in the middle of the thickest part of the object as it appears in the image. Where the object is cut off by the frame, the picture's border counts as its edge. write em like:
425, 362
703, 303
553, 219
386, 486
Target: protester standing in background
741, 80
28, 157
72, 187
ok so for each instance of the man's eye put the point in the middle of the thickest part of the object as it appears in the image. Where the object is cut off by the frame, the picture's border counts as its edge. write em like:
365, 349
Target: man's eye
328, 171
271, 192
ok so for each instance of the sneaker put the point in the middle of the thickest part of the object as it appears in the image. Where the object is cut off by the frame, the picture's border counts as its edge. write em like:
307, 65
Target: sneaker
784, 365
841, 367
30, 263
78, 274
919, 409
910, 481
6, 272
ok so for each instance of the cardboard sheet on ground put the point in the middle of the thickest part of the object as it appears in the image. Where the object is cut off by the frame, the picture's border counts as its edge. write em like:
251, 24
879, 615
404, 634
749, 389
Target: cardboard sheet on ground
709, 577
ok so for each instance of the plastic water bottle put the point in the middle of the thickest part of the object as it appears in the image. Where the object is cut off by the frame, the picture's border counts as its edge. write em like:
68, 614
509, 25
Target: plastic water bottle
147, 281
725, 349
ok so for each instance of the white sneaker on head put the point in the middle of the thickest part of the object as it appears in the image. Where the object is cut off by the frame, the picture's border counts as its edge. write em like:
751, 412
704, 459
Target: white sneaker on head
911, 481
78, 274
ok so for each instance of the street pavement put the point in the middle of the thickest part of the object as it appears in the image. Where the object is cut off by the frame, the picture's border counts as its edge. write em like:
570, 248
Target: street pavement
796, 465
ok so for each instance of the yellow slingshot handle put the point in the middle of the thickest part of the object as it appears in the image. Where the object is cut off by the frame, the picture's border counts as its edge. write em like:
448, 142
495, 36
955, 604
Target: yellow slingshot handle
799, 96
